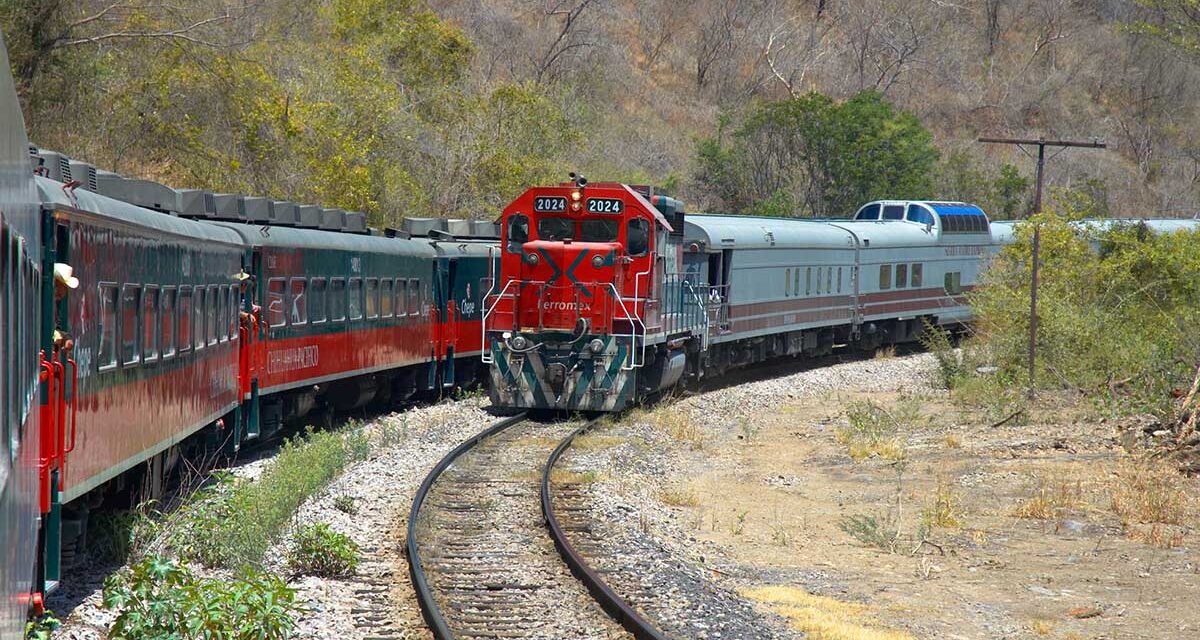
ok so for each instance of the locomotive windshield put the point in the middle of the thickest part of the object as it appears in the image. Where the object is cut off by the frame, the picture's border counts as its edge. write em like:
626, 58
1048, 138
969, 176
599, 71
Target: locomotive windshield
555, 228
598, 230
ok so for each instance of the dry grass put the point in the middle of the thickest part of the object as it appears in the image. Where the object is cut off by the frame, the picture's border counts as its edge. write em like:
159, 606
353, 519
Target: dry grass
822, 618
944, 508
679, 496
871, 431
1151, 498
1052, 498
885, 353
1146, 492
562, 476
952, 441
1042, 627
594, 441
677, 424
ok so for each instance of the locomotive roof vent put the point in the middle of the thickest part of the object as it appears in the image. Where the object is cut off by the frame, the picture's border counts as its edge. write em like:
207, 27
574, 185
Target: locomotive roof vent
333, 219
284, 213
460, 228
141, 193
253, 209
389, 232
309, 216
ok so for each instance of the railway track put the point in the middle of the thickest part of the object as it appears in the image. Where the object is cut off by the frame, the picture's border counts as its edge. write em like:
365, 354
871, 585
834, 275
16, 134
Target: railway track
481, 562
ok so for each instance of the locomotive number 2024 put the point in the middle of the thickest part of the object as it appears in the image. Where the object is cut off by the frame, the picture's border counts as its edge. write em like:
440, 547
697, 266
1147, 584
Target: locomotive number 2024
549, 204
605, 205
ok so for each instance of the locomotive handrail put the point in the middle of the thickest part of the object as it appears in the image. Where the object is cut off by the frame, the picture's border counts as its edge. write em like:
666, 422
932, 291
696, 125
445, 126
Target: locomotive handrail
74, 405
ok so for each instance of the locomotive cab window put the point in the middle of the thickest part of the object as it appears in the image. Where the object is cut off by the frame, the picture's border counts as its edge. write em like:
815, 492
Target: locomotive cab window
372, 298
275, 303
337, 300
517, 232
131, 302
598, 230
166, 328
885, 276
150, 323
354, 301
107, 355
385, 297
185, 303
316, 301
299, 301
555, 229
637, 236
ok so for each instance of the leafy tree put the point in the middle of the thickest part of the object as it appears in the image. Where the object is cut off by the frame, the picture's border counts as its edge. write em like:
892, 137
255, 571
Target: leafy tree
1176, 22
819, 156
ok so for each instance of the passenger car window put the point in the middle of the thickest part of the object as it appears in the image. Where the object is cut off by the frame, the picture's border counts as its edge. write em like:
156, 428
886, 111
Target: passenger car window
915, 279
337, 299
150, 324
220, 312
185, 319
316, 300
231, 293
354, 302
637, 236
210, 313
372, 298
166, 329
829, 279
131, 302
198, 318
414, 297
818, 280
275, 302
901, 276
299, 306
787, 282
808, 281
385, 297
885, 276
400, 290
107, 356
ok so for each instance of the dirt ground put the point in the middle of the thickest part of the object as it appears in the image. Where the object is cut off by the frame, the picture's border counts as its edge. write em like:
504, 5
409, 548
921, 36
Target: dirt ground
947, 525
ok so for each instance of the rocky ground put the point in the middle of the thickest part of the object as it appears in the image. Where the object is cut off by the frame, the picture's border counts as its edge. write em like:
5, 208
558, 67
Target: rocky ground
954, 524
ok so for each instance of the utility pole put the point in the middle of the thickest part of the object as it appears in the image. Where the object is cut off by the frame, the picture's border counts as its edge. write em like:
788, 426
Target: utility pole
1041, 144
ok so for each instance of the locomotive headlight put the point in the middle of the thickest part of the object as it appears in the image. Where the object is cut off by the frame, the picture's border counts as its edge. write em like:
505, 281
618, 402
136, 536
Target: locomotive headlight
575, 195
596, 345
520, 342
531, 258
597, 261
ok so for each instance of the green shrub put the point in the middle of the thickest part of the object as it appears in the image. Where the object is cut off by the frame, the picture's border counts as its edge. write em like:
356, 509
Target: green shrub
317, 550
42, 627
233, 523
345, 504
1115, 310
936, 340
160, 598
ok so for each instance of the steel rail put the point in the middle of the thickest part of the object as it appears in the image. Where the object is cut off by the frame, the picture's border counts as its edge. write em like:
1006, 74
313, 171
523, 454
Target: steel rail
429, 608
612, 603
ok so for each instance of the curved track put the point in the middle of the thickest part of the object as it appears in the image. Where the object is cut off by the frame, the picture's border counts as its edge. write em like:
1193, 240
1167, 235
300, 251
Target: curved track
481, 563
612, 603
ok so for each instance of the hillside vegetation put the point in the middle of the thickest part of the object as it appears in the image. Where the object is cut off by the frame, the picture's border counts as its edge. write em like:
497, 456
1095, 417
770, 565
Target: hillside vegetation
451, 107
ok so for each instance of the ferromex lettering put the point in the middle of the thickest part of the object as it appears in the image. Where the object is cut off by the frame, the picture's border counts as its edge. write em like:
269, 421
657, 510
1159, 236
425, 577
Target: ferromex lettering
292, 359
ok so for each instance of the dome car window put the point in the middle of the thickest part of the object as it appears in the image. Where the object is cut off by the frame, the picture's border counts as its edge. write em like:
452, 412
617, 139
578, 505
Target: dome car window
893, 212
917, 213
598, 231
869, 212
555, 228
